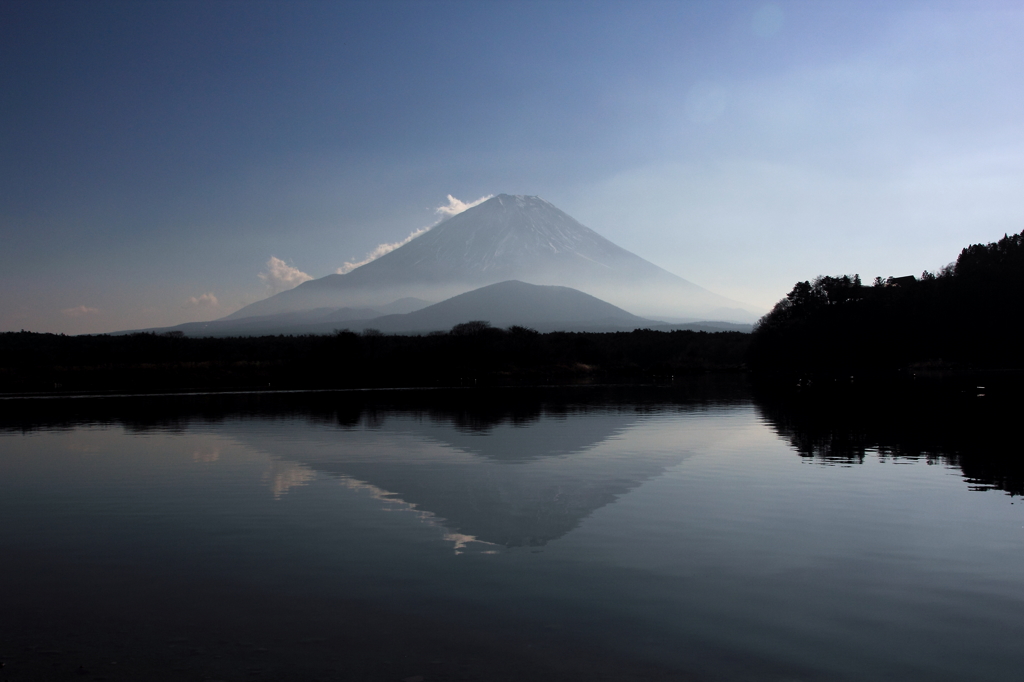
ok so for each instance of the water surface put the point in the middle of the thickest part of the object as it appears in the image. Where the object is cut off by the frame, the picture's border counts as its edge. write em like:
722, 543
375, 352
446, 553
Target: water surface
640, 536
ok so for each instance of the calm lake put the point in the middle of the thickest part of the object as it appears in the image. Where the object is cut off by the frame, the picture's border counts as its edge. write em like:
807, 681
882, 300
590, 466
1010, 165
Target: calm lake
576, 534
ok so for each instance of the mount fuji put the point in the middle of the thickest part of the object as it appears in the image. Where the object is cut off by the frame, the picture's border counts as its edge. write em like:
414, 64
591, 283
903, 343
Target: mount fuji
505, 238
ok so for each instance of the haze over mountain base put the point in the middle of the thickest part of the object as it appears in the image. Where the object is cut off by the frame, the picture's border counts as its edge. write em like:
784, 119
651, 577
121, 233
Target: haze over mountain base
543, 308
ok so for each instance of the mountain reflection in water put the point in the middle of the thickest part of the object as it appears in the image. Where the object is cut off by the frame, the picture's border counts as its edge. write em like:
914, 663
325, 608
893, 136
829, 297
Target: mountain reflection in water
510, 483
975, 436
659, 533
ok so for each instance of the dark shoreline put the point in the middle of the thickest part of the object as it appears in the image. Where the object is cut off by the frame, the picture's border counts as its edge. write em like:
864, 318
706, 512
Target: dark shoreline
148, 363
941, 418
960, 413
54, 365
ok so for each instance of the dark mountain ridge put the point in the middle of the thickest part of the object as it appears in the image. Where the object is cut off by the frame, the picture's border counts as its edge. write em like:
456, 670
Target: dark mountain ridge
514, 303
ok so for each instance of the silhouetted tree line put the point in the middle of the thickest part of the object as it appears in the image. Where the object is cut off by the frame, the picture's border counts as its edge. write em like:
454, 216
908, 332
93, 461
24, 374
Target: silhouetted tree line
470, 354
969, 314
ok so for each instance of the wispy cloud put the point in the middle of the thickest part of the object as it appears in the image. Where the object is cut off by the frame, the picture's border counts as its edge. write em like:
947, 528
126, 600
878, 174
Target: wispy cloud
207, 300
280, 276
79, 311
381, 250
454, 207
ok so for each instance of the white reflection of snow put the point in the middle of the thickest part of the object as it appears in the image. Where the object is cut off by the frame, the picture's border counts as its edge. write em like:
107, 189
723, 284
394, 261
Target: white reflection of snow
284, 476
461, 540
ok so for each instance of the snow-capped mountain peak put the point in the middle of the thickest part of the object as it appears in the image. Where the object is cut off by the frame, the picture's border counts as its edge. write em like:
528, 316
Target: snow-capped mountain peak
508, 237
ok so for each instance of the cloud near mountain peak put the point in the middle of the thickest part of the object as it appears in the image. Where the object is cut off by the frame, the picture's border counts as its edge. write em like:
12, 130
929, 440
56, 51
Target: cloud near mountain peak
454, 207
280, 276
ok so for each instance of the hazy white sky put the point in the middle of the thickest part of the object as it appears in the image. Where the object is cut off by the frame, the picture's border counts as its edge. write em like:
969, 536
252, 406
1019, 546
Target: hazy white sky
167, 162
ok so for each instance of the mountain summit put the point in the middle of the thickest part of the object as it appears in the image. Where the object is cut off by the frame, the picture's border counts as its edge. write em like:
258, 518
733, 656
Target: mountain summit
508, 237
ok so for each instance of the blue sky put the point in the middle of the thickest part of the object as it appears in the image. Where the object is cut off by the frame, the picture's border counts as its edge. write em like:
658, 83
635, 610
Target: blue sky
155, 156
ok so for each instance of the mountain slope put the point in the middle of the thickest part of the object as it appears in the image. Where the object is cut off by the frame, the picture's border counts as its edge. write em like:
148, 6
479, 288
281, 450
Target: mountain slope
508, 237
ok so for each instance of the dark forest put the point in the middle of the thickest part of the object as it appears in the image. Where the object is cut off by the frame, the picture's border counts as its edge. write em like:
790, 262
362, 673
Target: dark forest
967, 316
470, 354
